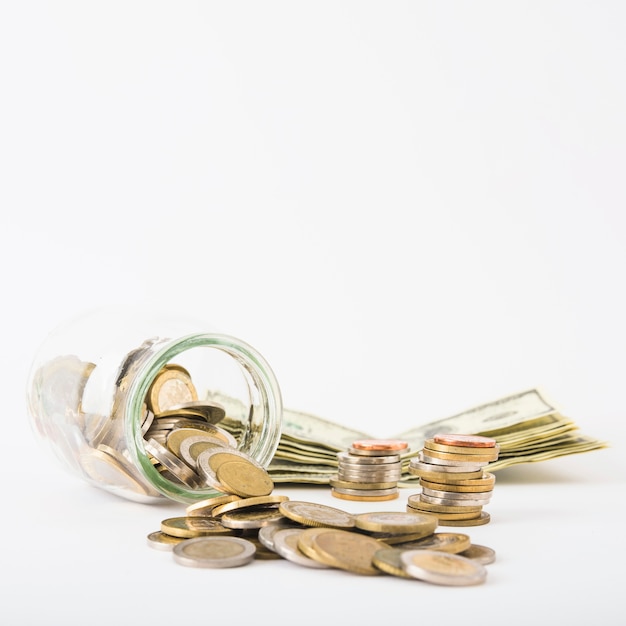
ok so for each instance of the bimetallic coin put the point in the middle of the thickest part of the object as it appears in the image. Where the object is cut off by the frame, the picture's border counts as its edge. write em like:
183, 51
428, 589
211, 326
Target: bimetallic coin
214, 552
368, 493
160, 541
191, 446
251, 518
176, 437
243, 503
443, 542
472, 457
204, 508
347, 550
482, 554
313, 514
449, 516
266, 533
285, 543
350, 484
170, 387
472, 441
388, 561
244, 479
442, 568
445, 476
397, 522
484, 518
483, 496
189, 527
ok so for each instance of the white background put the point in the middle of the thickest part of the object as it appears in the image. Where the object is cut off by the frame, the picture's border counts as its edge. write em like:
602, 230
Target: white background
409, 208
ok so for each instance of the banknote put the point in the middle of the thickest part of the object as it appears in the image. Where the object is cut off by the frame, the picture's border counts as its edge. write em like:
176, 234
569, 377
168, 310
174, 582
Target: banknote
526, 425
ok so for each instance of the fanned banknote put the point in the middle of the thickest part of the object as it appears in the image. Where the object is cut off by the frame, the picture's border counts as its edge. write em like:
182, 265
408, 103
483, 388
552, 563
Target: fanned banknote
527, 427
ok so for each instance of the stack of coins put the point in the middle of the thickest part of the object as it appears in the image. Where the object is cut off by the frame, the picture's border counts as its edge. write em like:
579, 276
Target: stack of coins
454, 485
369, 470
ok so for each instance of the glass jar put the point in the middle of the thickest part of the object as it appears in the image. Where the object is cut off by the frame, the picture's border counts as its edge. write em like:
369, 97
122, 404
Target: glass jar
107, 388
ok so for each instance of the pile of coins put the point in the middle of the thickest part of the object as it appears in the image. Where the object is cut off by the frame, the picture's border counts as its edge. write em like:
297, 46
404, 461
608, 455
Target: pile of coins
454, 485
228, 531
369, 470
188, 447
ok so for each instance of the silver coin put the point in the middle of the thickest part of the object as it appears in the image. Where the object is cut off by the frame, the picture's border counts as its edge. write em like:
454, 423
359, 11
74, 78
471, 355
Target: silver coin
467, 464
285, 543
448, 469
212, 413
452, 501
214, 552
359, 452
187, 444
366, 492
442, 568
266, 533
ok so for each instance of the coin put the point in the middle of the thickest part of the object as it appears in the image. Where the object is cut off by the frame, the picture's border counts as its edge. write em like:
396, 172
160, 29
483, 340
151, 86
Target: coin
364, 497
244, 479
443, 542
416, 501
471, 458
483, 496
214, 552
188, 527
442, 568
473, 441
479, 553
397, 522
204, 508
418, 465
161, 541
243, 503
212, 413
479, 521
176, 437
171, 386
313, 514
251, 517
266, 533
462, 463
388, 560
191, 446
350, 460
446, 476
350, 484
347, 550
177, 467
381, 445
453, 501
285, 543
479, 487
430, 444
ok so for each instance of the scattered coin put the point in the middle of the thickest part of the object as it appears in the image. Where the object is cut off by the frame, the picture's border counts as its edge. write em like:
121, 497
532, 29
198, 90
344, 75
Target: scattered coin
479, 553
442, 568
189, 527
251, 517
214, 552
397, 522
161, 541
443, 542
285, 543
313, 514
388, 561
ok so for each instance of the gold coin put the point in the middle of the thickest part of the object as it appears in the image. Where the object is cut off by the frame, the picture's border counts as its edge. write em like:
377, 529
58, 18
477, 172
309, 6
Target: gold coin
306, 544
251, 517
313, 514
352, 484
444, 542
397, 522
479, 521
449, 516
243, 503
204, 508
481, 487
188, 527
363, 498
160, 541
348, 550
468, 458
244, 479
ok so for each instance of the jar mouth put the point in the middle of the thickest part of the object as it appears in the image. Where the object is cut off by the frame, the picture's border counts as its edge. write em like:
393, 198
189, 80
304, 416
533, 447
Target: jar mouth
256, 405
